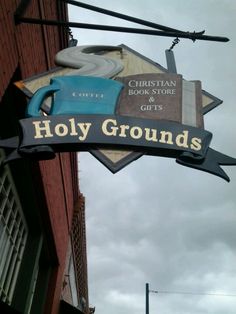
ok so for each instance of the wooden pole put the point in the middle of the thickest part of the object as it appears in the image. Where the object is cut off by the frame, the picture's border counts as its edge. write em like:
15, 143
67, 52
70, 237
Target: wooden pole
147, 298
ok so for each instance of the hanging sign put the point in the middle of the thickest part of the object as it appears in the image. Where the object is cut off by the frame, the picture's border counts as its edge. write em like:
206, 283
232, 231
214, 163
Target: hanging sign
157, 114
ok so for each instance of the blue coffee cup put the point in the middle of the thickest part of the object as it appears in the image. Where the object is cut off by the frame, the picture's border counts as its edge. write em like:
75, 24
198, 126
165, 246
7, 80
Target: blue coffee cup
77, 95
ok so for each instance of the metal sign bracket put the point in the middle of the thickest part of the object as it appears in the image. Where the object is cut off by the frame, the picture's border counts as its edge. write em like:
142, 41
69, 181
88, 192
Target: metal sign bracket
157, 29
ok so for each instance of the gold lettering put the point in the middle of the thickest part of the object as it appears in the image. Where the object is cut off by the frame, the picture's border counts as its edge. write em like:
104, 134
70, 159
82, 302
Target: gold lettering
137, 130
72, 127
182, 139
61, 129
123, 128
196, 143
45, 129
113, 129
166, 137
149, 137
84, 127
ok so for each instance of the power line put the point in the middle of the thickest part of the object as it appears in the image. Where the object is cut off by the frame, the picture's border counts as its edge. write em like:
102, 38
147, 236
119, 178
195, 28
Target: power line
193, 293
148, 291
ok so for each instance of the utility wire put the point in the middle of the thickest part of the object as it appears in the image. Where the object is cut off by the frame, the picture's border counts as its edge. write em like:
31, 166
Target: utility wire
194, 293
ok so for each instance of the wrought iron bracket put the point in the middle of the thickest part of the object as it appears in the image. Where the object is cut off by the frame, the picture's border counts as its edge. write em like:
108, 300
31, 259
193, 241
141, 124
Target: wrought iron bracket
157, 29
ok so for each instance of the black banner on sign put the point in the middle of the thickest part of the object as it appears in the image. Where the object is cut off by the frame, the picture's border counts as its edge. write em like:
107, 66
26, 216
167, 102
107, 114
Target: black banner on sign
112, 130
43, 136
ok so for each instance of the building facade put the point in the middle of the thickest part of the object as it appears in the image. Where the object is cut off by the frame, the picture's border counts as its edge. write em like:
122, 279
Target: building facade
43, 263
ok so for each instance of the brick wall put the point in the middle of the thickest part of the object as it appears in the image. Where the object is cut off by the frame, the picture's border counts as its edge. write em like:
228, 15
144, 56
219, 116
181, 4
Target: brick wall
8, 45
30, 46
79, 249
61, 193
30, 49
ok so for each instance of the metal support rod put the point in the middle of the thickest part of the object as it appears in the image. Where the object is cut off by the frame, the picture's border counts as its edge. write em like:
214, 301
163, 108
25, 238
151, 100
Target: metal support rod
147, 298
122, 16
193, 36
166, 31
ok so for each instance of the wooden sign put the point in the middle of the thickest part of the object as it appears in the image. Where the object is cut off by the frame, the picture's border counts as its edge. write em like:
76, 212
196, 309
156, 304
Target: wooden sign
141, 110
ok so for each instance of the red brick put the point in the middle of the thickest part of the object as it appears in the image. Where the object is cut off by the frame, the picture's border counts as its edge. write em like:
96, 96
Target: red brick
23, 45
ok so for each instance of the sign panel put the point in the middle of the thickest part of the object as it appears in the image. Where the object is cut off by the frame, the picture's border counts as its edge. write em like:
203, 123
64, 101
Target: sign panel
153, 96
161, 97
146, 134
143, 110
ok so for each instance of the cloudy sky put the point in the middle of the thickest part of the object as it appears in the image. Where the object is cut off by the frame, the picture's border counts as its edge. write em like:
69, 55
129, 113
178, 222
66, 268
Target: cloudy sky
156, 221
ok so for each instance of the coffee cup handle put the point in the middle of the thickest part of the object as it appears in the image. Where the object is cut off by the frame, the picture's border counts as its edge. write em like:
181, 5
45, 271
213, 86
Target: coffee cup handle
37, 100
